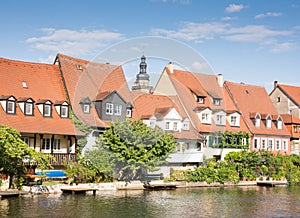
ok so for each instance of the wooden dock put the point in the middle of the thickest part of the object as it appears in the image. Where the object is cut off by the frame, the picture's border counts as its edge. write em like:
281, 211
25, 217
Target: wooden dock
78, 190
160, 186
8, 194
271, 183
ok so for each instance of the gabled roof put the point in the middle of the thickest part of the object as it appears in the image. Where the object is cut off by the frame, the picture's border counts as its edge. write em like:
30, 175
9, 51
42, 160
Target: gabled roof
252, 101
293, 92
290, 119
93, 80
43, 81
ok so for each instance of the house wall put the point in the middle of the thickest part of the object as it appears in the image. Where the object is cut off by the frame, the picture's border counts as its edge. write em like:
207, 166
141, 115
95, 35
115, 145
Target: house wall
267, 139
163, 86
35, 143
113, 99
285, 105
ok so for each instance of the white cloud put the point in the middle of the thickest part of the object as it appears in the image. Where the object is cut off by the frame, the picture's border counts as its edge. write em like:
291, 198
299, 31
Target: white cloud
200, 32
73, 42
234, 8
268, 14
199, 67
228, 18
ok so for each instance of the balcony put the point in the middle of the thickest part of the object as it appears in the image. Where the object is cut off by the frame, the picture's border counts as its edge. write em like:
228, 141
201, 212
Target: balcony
61, 159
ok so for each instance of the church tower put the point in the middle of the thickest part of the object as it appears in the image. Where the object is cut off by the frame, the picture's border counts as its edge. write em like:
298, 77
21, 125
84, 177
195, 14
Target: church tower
142, 78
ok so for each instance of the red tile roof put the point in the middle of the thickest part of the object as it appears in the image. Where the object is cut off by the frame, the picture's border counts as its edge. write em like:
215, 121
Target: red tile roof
40, 81
186, 82
252, 100
291, 91
93, 80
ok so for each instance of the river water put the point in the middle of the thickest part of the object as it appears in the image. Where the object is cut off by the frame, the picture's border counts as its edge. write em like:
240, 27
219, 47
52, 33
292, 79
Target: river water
201, 202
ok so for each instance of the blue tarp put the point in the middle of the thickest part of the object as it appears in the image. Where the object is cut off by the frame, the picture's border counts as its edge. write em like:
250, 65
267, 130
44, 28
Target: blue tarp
52, 173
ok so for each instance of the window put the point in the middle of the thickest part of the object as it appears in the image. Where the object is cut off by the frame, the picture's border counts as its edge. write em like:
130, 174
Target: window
255, 145
47, 110
284, 145
86, 108
279, 123
233, 120
26, 140
216, 101
277, 145
28, 108
186, 125
257, 121
295, 129
263, 144
64, 111
219, 119
200, 100
118, 109
175, 126
167, 125
46, 142
270, 147
244, 141
109, 108
11, 107
128, 113
278, 98
56, 144
268, 122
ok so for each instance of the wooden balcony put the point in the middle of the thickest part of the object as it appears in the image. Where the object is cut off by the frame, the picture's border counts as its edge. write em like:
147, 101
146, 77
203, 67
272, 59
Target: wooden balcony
61, 159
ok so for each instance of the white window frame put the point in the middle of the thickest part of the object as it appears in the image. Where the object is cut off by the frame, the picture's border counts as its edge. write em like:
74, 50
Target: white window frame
109, 108
279, 124
270, 144
64, 111
45, 143
47, 107
167, 125
216, 102
284, 145
263, 144
11, 107
256, 141
128, 113
86, 108
117, 109
277, 145
268, 123
57, 144
28, 110
175, 126
257, 121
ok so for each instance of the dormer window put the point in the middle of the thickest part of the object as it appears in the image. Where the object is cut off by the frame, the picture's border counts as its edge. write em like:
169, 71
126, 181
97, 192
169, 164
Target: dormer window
279, 123
47, 110
200, 100
11, 105
186, 124
268, 122
257, 121
28, 107
278, 99
62, 108
79, 67
216, 101
86, 108
128, 113
86, 105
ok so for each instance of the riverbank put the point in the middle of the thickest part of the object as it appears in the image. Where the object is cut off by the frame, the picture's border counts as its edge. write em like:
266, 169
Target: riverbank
138, 185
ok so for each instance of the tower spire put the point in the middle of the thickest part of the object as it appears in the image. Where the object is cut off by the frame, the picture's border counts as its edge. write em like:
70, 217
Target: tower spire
142, 78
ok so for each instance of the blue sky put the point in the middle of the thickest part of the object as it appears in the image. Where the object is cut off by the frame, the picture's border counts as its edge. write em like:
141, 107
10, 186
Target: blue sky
255, 42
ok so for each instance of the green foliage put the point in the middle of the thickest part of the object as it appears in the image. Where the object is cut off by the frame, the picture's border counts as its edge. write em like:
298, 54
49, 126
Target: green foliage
80, 172
137, 147
81, 142
233, 139
104, 162
13, 153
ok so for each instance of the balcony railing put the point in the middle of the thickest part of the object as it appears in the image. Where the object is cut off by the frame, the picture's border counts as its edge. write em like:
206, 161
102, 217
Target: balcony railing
61, 159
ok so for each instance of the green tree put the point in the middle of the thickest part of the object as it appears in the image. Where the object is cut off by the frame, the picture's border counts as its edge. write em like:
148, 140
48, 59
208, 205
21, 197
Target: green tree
14, 152
137, 147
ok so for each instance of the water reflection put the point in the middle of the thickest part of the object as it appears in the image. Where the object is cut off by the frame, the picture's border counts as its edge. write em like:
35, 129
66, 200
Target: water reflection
201, 202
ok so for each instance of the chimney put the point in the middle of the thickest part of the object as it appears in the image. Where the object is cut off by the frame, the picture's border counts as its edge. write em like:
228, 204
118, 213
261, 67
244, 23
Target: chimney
220, 80
275, 84
170, 67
